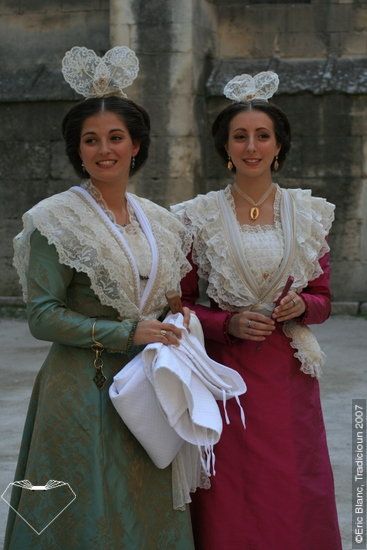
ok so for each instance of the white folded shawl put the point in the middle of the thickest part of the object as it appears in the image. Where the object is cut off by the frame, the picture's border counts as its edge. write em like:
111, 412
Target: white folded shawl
167, 397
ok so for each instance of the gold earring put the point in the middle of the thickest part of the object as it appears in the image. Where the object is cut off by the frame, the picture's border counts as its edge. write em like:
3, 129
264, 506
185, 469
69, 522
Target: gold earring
276, 164
230, 164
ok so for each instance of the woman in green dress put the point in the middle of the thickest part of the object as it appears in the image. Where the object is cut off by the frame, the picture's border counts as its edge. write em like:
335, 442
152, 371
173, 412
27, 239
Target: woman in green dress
94, 264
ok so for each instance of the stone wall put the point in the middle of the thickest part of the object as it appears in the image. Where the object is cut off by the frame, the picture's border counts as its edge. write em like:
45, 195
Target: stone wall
33, 101
187, 50
172, 39
318, 48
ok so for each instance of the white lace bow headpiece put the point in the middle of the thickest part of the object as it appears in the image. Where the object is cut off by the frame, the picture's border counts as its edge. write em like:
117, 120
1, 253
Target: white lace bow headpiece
244, 87
93, 76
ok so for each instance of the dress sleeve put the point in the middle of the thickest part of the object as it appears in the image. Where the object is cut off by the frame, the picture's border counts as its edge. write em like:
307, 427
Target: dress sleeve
317, 296
214, 322
49, 317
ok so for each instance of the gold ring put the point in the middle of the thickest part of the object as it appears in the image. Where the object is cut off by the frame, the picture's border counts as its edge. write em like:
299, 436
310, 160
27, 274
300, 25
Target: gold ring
294, 303
249, 323
163, 332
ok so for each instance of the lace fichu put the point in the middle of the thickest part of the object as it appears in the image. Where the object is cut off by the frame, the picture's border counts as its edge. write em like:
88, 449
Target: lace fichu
244, 87
93, 76
211, 254
86, 243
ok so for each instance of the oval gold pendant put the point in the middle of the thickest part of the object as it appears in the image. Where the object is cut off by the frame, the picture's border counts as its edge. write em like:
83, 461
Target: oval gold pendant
254, 213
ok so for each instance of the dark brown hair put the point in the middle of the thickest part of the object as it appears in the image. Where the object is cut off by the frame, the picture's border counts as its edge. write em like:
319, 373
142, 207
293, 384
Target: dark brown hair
135, 117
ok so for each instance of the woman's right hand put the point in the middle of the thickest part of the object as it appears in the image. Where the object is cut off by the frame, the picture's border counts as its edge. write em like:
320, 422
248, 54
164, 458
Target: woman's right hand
148, 332
249, 325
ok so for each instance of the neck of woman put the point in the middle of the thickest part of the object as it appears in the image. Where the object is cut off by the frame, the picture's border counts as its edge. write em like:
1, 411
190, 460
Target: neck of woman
254, 187
113, 193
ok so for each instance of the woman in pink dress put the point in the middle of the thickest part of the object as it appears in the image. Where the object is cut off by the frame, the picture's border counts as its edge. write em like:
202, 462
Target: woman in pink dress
273, 488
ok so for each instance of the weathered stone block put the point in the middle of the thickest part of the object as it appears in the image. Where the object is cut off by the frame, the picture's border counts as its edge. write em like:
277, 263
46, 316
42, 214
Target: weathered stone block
235, 15
158, 12
300, 44
60, 165
24, 160
349, 279
9, 7
32, 121
183, 155
154, 75
356, 43
181, 119
204, 14
360, 18
339, 18
80, 5
329, 155
121, 13
300, 18
121, 34
180, 189
161, 38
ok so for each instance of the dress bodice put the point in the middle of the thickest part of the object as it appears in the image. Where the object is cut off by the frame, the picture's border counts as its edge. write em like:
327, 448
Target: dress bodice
262, 244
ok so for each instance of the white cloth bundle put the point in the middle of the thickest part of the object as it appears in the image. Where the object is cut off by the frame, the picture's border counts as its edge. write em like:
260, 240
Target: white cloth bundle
167, 396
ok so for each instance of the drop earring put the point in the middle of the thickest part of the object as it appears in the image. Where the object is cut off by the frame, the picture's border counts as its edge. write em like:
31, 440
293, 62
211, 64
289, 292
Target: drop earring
230, 164
132, 164
276, 164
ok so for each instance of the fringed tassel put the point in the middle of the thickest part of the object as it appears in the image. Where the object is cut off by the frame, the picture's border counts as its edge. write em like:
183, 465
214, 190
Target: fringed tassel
242, 412
224, 399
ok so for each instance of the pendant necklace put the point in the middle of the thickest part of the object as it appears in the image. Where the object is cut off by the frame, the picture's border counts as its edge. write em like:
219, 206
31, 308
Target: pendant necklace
254, 210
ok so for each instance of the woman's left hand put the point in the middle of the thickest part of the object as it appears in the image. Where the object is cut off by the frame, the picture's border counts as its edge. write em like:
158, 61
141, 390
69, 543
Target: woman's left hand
290, 307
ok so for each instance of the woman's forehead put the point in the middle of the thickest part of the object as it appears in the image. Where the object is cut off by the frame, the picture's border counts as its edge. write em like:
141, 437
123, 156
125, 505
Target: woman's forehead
253, 119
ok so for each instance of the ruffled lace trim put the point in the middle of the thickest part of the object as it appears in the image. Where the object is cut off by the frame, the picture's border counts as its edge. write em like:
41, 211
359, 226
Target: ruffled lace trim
212, 256
307, 348
86, 244
211, 253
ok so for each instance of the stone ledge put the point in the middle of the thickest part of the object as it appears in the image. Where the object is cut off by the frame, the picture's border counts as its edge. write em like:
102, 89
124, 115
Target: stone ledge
318, 76
11, 301
40, 83
345, 308
12, 307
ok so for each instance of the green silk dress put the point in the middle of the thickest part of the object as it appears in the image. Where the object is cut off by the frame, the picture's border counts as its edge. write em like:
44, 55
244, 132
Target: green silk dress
73, 433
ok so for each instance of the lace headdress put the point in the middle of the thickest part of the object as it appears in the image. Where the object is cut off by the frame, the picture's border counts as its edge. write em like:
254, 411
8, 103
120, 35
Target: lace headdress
244, 87
93, 76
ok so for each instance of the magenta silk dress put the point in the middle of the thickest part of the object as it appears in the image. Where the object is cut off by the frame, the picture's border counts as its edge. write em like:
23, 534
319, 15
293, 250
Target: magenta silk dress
273, 488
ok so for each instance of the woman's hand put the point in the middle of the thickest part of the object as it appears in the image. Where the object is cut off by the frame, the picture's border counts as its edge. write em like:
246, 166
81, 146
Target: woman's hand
290, 307
249, 325
186, 317
148, 332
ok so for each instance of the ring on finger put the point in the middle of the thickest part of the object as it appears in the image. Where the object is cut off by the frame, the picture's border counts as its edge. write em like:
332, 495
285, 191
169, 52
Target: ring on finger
294, 302
249, 323
163, 332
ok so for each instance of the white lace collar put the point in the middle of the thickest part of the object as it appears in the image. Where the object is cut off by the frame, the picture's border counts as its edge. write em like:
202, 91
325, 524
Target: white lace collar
87, 243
